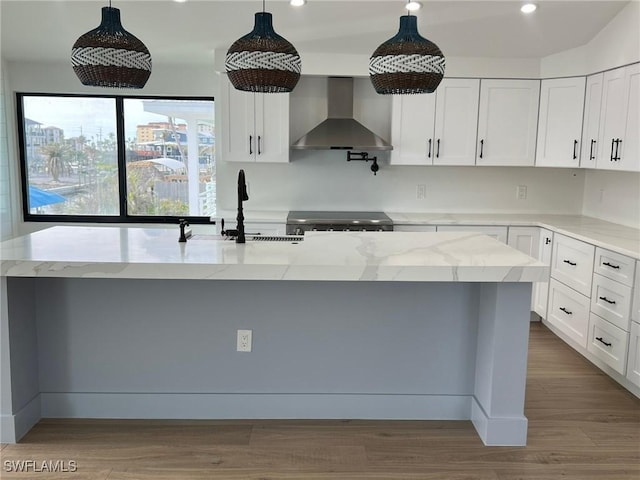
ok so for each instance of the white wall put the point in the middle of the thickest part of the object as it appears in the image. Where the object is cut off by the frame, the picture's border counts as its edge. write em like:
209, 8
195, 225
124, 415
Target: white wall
7, 180
612, 196
616, 44
324, 180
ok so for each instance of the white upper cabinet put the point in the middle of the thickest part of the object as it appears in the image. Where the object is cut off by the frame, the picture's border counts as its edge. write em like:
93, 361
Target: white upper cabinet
591, 121
507, 122
619, 123
412, 122
438, 129
255, 126
560, 122
456, 122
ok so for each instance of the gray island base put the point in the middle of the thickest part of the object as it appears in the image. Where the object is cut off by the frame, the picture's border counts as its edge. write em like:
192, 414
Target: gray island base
102, 338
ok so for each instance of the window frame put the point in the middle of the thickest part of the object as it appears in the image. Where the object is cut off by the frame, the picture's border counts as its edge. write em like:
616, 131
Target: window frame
123, 216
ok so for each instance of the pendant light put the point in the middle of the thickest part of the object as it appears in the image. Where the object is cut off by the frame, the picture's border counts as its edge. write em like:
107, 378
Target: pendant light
406, 63
109, 56
263, 61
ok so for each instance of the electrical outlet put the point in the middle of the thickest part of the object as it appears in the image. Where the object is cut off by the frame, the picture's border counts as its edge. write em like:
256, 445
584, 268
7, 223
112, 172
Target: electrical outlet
521, 192
244, 341
421, 191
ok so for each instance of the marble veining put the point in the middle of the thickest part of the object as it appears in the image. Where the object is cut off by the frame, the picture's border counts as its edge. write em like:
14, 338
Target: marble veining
612, 236
118, 252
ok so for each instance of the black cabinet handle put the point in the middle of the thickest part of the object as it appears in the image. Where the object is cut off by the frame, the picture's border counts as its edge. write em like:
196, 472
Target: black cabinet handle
482, 147
250, 144
566, 311
429, 154
438, 149
575, 146
570, 263
611, 265
616, 157
612, 143
602, 341
259, 148
591, 157
610, 302
547, 240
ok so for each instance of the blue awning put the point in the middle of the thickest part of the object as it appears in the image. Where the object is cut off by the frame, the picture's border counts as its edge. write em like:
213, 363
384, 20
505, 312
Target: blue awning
40, 198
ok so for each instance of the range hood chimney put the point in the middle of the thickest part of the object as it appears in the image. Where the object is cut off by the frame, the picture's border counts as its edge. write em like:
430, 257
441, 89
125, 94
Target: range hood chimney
340, 131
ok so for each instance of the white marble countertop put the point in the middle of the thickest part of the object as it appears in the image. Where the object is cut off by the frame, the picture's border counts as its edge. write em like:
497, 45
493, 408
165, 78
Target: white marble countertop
612, 236
114, 252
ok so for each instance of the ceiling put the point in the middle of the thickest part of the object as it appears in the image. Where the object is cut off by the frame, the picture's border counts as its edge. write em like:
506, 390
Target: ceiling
188, 33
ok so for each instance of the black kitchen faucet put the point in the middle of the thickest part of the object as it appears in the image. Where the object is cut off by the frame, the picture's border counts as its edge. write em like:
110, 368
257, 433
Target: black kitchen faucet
242, 196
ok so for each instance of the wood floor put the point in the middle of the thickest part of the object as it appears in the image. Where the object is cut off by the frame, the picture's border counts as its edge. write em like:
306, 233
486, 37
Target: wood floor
582, 425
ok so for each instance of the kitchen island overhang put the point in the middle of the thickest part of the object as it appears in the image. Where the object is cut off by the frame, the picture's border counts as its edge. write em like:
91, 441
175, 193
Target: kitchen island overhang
121, 322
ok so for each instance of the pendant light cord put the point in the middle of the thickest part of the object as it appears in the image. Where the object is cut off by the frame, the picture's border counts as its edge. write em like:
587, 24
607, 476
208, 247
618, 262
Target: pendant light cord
263, 8
408, 11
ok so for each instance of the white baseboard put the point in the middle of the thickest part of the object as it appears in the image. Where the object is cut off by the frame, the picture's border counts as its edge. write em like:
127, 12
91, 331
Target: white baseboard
14, 427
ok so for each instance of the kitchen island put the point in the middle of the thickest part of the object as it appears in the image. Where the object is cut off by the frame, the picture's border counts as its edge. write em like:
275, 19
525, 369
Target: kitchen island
113, 322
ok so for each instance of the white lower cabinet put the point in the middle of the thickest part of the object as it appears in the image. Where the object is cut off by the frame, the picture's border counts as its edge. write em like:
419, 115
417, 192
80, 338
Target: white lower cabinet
541, 289
608, 343
633, 359
611, 300
569, 312
497, 232
572, 263
526, 240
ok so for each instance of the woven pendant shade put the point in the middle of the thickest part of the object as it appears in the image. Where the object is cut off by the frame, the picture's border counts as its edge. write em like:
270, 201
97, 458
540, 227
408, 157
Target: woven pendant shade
406, 63
109, 56
263, 61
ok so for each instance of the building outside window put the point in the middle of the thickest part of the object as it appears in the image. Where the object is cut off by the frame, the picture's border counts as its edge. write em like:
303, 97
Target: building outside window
111, 158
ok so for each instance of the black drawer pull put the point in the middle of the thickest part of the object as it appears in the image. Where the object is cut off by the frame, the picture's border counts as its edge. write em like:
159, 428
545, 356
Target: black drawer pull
610, 302
482, 147
611, 265
612, 144
438, 150
429, 154
575, 146
602, 341
566, 311
259, 145
570, 263
250, 144
591, 157
616, 157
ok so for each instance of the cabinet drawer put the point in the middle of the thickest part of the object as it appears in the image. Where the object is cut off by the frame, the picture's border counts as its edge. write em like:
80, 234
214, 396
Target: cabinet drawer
569, 312
614, 266
572, 263
611, 300
633, 362
608, 343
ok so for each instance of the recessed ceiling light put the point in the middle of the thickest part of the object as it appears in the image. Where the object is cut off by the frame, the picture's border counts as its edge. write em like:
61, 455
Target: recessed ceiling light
528, 8
179, 1
413, 6
298, 3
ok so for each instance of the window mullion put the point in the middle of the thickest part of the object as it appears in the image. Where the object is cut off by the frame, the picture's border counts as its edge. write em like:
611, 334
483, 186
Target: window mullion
121, 143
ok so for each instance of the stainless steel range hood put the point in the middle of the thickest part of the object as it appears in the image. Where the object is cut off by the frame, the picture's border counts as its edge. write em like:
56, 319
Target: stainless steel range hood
340, 131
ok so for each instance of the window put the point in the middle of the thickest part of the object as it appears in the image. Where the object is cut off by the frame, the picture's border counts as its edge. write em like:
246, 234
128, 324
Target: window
117, 159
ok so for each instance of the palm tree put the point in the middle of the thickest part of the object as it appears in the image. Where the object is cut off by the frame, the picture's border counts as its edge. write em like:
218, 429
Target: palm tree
57, 158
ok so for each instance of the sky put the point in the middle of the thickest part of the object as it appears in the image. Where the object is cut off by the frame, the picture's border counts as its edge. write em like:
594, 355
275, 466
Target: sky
89, 116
